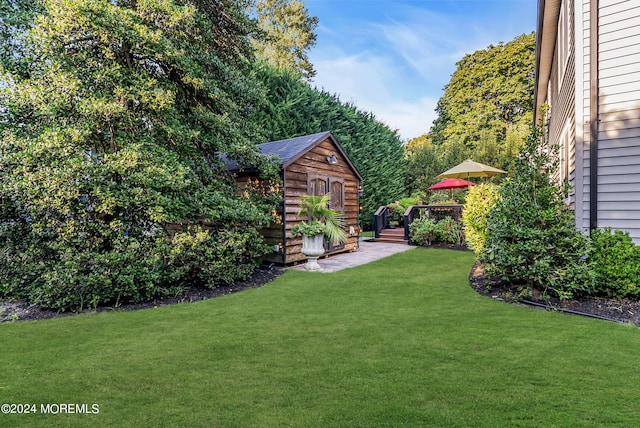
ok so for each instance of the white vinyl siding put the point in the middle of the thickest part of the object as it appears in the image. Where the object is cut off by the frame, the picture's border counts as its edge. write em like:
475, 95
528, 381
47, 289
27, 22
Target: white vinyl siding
569, 95
561, 98
582, 183
619, 116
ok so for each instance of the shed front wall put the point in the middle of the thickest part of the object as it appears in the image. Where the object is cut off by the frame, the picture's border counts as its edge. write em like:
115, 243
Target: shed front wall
298, 179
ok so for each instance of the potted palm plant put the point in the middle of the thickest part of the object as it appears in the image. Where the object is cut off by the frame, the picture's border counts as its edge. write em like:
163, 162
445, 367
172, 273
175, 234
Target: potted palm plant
322, 222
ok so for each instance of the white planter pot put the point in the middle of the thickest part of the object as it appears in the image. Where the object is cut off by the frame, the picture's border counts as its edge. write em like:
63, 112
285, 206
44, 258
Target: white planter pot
313, 247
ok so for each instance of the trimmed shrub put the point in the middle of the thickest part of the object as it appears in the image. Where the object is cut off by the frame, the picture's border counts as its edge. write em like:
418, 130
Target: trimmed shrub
615, 263
426, 231
479, 201
532, 238
450, 231
61, 277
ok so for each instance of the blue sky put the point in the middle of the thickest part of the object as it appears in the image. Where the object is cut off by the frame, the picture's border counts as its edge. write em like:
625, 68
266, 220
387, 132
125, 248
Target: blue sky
393, 57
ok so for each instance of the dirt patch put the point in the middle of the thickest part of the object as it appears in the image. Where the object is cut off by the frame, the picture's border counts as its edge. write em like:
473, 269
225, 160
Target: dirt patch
618, 310
20, 311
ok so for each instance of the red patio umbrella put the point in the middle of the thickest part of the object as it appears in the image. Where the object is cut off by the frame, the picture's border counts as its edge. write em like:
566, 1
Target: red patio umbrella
452, 183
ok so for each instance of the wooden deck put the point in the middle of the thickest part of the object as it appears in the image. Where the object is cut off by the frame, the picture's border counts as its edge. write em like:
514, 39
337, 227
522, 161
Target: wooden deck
392, 236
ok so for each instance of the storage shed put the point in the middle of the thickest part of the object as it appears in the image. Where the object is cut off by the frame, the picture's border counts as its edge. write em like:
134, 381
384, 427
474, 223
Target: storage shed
311, 165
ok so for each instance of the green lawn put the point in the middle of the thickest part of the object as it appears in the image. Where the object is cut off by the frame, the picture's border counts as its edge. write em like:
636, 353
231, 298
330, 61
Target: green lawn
400, 342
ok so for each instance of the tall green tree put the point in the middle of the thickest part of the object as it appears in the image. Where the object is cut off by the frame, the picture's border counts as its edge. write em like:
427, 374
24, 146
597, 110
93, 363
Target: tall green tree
491, 90
287, 35
16, 19
484, 113
295, 108
115, 115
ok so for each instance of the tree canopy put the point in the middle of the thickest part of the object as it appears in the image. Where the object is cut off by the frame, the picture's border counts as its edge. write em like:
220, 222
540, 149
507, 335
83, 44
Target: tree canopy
484, 113
287, 35
115, 115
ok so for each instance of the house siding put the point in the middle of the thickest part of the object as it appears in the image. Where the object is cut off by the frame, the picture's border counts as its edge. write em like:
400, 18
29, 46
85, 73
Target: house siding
583, 65
561, 90
619, 116
618, 107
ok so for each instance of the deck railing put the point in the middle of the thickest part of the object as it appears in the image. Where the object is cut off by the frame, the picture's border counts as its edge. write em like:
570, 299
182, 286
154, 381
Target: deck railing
431, 211
381, 220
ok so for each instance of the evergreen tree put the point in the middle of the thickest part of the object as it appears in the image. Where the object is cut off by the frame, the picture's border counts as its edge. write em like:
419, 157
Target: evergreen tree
531, 237
295, 108
115, 115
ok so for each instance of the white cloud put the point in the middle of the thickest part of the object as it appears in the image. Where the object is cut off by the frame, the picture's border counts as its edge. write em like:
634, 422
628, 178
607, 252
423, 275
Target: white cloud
396, 67
369, 83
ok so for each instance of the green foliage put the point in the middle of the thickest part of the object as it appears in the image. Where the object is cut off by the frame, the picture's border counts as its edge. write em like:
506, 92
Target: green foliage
426, 231
287, 35
451, 231
490, 89
295, 108
322, 219
312, 228
615, 263
111, 126
483, 115
398, 208
479, 201
532, 237
443, 197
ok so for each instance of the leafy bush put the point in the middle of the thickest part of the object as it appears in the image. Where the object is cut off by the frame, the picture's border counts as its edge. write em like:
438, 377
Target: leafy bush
60, 277
615, 263
102, 149
426, 231
441, 198
450, 231
479, 202
532, 237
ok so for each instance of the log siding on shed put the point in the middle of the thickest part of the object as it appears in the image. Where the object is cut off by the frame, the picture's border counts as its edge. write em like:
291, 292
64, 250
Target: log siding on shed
299, 177
304, 164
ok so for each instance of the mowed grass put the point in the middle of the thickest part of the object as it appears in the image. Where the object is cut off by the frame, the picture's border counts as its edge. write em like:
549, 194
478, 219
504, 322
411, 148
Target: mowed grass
400, 342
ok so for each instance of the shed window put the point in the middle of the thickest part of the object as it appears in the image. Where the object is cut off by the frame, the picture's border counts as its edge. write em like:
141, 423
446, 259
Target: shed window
337, 195
318, 186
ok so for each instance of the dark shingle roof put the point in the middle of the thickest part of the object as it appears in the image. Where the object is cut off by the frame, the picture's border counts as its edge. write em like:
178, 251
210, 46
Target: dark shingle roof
291, 148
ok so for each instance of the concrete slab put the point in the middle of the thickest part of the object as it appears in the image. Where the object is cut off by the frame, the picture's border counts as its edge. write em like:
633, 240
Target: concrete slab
368, 252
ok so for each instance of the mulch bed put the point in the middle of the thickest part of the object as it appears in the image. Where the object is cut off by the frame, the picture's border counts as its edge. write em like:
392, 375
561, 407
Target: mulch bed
20, 311
618, 310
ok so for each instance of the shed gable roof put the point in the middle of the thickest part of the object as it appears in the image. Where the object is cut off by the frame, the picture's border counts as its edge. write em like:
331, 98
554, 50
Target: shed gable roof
291, 149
